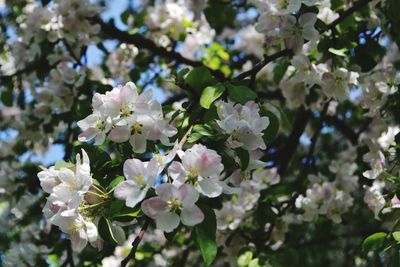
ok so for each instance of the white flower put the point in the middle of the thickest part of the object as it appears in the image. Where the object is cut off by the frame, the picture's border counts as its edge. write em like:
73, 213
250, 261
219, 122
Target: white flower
201, 167
243, 123
96, 125
387, 138
373, 197
295, 31
49, 179
170, 200
285, 7
229, 217
336, 84
69, 189
140, 177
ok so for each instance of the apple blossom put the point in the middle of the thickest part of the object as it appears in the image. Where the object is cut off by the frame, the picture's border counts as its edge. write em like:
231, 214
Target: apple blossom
200, 167
243, 123
140, 177
170, 200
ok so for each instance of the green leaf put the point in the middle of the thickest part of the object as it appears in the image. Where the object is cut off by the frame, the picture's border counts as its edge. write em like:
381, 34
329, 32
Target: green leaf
199, 131
396, 236
204, 234
119, 212
273, 128
219, 15
255, 263
210, 94
374, 241
63, 164
338, 52
244, 157
199, 78
106, 231
286, 124
241, 93
7, 98
245, 259
114, 183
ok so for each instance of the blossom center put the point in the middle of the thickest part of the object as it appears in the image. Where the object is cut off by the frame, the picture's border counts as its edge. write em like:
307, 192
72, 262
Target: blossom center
174, 205
101, 125
137, 128
125, 111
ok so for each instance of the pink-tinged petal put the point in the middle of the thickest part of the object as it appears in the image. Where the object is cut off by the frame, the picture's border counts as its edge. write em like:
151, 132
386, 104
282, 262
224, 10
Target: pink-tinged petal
78, 243
120, 134
167, 221
188, 195
128, 93
210, 188
151, 171
307, 19
88, 134
153, 206
99, 139
167, 192
191, 215
134, 168
177, 173
138, 143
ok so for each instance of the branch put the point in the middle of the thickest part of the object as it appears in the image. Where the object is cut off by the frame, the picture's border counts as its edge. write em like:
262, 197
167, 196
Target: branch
356, 6
136, 243
70, 257
143, 42
342, 127
287, 151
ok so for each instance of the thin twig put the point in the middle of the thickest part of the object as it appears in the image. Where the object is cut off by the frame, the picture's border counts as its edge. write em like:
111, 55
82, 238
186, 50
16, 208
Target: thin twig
136, 243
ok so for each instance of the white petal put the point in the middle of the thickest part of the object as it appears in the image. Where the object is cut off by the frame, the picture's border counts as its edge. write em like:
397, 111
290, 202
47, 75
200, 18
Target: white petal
134, 168
189, 195
209, 188
153, 206
191, 215
120, 134
138, 143
167, 192
167, 221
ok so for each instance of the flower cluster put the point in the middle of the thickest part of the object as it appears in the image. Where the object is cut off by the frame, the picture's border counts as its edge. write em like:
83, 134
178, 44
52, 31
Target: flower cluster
126, 115
234, 211
330, 198
243, 124
72, 202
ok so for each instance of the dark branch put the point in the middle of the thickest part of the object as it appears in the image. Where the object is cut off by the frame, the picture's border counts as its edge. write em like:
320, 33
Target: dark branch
136, 243
143, 42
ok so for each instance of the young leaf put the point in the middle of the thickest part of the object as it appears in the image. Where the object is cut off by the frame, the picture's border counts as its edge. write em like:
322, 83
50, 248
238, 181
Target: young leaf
199, 78
106, 231
241, 93
273, 127
244, 157
338, 52
396, 236
114, 183
210, 94
63, 164
205, 236
374, 241
244, 259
